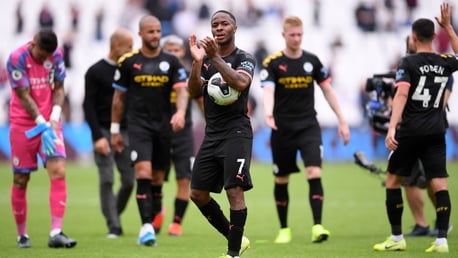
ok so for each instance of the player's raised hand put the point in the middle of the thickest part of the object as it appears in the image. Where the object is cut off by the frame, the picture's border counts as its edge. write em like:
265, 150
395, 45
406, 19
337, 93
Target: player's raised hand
197, 52
445, 19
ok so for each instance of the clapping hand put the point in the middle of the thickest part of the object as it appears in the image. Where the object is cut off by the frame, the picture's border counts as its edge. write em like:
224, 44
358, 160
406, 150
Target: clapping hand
197, 53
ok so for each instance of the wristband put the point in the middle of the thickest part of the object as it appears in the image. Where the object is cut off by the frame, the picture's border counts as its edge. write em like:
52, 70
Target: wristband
40, 120
115, 128
55, 113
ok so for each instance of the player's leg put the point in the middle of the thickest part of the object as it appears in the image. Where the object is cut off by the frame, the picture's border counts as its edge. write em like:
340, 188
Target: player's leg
415, 199
144, 197
160, 162
311, 150
400, 164
58, 202
183, 159
237, 179
206, 179
23, 162
434, 162
284, 152
142, 148
443, 211
281, 197
238, 216
394, 208
159, 213
19, 207
156, 189
180, 205
316, 198
55, 166
432, 198
127, 176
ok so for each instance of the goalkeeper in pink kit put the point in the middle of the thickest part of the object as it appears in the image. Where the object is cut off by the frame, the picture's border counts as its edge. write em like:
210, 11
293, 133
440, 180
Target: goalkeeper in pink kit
36, 73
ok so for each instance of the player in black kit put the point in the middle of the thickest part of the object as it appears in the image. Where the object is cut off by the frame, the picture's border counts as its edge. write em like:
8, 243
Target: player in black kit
417, 129
288, 78
182, 150
144, 82
224, 157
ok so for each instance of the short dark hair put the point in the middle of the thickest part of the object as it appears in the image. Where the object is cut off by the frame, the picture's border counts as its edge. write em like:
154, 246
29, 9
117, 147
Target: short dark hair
424, 29
46, 39
226, 12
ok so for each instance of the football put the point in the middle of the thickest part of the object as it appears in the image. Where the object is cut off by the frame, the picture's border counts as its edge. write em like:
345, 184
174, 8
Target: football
220, 92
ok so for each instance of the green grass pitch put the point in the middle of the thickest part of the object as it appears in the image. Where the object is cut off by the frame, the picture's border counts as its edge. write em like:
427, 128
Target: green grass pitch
354, 212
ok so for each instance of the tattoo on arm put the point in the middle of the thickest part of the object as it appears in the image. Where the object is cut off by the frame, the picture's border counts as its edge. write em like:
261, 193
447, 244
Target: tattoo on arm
27, 101
58, 96
117, 106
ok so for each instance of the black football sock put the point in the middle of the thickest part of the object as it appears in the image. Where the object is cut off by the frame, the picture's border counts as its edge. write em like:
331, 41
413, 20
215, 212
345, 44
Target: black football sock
156, 191
180, 208
238, 219
212, 211
443, 211
144, 200
316, 199
281, 202
394, 208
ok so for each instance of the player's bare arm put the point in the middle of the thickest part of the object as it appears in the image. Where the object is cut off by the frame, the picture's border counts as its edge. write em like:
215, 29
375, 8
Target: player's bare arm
58, 95
331, 98
116, 113
445, 22
399, 102
58, 99
27, 101
194, 81
268, 101
178, 119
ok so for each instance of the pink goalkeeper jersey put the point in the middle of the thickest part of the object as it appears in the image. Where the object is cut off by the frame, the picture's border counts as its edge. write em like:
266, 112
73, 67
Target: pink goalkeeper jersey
24, 71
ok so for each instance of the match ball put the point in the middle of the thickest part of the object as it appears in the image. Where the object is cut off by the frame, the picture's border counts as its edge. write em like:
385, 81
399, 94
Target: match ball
220, 92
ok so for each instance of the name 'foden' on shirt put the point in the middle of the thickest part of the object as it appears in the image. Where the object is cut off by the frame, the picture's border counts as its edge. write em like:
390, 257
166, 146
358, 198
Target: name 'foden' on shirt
432, 68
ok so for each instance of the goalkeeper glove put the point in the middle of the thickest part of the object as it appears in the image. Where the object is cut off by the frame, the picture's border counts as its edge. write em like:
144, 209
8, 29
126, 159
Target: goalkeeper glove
48, 137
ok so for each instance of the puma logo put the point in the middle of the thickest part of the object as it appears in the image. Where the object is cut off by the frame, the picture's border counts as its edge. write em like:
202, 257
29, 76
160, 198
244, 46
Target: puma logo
141, 196
138, 66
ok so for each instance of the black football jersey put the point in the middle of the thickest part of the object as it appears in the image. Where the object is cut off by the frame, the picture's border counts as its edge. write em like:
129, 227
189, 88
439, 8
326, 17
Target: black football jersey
231, 120
149, 83
428, 75
294, 81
